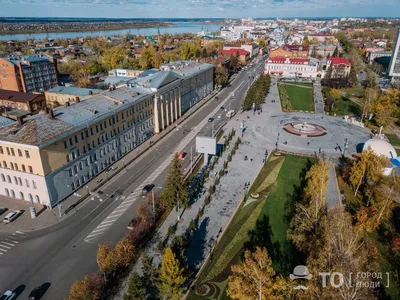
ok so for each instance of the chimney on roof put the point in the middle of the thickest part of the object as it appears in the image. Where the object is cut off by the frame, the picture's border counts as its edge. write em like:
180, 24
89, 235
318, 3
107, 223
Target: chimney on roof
20, 121
77, 100
51, 114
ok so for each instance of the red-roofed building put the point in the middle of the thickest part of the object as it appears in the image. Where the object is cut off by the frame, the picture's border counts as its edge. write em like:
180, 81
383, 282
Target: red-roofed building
340, 66
244, 55
291, 67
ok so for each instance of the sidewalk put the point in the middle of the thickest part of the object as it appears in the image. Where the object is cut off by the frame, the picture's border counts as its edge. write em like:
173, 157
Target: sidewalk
48, 216
332, 189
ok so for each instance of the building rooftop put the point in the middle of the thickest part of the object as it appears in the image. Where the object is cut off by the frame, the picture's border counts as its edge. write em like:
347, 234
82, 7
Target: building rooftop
339, 60
288, 60
17, 96
27, 59
40, 130
234, 51
70, 90
5, 121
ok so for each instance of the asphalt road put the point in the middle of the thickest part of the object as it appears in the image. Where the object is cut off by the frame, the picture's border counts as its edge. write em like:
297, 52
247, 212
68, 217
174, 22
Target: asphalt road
58, 254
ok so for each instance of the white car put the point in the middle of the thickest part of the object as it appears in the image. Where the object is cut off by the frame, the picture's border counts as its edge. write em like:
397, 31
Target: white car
11, 217
8, 295
219, 116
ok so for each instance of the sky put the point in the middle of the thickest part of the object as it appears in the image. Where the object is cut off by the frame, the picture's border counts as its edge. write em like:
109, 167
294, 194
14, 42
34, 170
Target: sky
199, 8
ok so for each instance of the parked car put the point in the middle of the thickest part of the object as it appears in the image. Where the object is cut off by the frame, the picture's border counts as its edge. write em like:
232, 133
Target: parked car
210, 119
219, 116
181, 155
8, 295
11, 217
36, 293
222, 108
2, 210
147, 188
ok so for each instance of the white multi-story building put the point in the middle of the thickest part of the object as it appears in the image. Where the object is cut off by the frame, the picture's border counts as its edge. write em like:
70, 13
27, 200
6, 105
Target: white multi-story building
291, 67
394, 66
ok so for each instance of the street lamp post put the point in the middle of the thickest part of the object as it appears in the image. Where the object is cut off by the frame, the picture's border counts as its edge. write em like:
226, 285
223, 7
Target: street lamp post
87, 190
346, 145
277, 141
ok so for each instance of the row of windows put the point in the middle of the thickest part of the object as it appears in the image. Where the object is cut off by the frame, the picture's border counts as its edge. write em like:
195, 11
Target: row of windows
14, 166
17, 181
111, 121
11, 193
272, 67
11, 151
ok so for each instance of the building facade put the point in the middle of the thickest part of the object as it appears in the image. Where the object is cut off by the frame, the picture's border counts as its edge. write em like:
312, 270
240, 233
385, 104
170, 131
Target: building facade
341, 66
60, 95
244, 56
44, 158
291, 51
28, 73
291, 67
22, 101
394, 66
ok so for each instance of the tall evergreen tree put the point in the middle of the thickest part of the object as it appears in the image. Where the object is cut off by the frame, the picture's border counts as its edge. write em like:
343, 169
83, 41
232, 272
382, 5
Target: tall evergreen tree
136, 289
175, 190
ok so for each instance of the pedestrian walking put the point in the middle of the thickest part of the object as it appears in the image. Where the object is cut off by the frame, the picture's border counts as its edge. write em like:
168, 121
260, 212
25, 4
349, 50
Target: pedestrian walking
308, 143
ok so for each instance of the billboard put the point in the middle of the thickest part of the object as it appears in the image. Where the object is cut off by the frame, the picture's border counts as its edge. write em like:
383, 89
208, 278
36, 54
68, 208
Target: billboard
206, 144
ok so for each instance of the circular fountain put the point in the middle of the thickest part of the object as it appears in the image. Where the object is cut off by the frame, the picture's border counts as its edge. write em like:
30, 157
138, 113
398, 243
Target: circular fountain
305, 129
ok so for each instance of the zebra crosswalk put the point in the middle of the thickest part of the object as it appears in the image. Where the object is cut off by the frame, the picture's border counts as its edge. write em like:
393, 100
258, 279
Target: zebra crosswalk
9, 242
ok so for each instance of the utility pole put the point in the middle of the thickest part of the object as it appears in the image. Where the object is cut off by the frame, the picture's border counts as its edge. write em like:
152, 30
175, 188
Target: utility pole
59, 209
212, 130
191, 159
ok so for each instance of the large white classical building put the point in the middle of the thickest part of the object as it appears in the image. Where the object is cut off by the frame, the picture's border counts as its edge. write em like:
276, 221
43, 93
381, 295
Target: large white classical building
394, 66
291, 67
45, 157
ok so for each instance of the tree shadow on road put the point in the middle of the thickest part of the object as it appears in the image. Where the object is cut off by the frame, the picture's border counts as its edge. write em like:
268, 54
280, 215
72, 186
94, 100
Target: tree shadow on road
197, 242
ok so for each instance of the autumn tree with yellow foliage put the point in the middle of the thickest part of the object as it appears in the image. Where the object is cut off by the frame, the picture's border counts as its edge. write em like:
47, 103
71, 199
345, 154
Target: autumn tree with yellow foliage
255, 278
172, 281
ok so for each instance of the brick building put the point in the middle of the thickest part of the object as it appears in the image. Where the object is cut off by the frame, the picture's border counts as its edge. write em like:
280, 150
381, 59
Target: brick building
28, 73
290, 51
23, 101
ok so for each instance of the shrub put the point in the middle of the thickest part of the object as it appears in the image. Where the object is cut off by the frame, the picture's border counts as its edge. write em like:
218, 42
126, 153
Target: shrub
221, 173
207, 200
90, 288
211, 189
192, 225
217, 180
171, 230
160, 246
225, 164
200, 213
206, 174
230, 157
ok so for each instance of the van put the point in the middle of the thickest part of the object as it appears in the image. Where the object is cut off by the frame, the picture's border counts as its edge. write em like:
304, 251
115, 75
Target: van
11, 216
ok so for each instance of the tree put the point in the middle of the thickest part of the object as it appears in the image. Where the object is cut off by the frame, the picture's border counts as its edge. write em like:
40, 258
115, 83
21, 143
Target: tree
370, 95
171, 277
113, 57
384, 198
306, 41
124, 252
105, 258
368, 166
90, 288
386, 107
146, 59
370, 80
150, 276
136, 289
221, 76
255, 278
175, 190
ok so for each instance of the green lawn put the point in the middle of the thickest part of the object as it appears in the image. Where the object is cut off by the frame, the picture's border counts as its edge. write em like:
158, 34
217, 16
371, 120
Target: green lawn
309, 84
393, 138
298, 97
263, 222
344, 107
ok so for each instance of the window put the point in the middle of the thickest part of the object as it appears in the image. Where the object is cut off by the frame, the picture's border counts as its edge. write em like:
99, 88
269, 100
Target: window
30, 197
21, 196
8, 151
101, 126
3, 178
7, 192
87, 133
34, 184
8, 179
37, 199
19, 152
70, 172
75, 170
15, 180
91, 131
82, 136
71, 142
4, 164
76, 139
27, 183
20, 181
12, 166
97, 128
80, 166
65, 144
27, 155
1, 150
12, 194
73, 186
84, 149
12, 152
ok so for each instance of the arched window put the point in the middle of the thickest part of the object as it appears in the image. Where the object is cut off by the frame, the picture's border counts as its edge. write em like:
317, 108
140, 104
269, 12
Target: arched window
37, 199
12, 194
15, 180
27, 183
8, 179
23, 168
3, 178
20, 181
21, 196
30, 197
7, 192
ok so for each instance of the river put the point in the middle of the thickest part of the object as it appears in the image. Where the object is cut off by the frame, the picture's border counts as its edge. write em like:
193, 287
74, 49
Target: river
180, 27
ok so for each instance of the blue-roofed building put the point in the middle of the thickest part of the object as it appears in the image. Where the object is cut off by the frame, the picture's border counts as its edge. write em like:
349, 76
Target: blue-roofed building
59, 95
28, 73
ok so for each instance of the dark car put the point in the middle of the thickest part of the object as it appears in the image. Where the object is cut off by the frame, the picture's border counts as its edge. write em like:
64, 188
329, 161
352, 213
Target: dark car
222, 108
2, 210
210, 119
147, 188
38, 292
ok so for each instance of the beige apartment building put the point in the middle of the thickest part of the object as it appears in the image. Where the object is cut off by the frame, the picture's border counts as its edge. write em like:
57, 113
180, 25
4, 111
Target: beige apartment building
44, 158
60, 95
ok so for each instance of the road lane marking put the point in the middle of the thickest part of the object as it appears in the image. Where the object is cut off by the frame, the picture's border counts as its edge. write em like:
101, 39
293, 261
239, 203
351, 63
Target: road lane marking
9, 244
9, 240
20, 232
3, 250
5, 246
